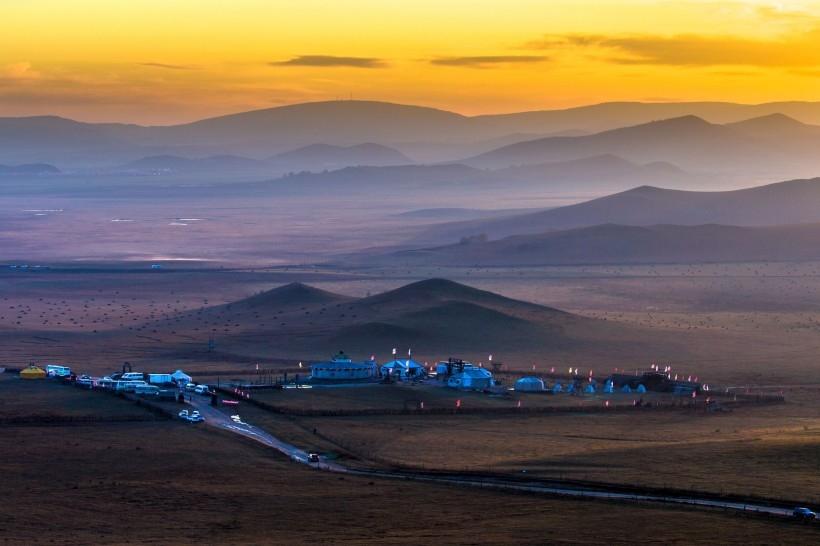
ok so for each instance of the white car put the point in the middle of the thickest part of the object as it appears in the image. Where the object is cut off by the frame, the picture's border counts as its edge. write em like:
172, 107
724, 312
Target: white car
190, 386
202, 389
195, 417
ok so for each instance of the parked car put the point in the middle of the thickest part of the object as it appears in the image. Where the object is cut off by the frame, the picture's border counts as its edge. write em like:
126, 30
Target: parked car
804, 514
202, 389
85, 381
195, 417
183, 414
190, 386
313, 457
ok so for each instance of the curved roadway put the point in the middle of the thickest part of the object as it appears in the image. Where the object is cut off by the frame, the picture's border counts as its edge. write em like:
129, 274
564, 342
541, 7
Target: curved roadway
214, 417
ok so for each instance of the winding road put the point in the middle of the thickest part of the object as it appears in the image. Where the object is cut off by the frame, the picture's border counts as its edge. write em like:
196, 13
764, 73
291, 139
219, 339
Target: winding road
216, 418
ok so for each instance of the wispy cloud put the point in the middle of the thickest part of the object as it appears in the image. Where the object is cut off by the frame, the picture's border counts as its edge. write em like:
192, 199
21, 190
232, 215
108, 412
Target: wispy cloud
486, 61
168, 66
19, 71
793, 50
332, 60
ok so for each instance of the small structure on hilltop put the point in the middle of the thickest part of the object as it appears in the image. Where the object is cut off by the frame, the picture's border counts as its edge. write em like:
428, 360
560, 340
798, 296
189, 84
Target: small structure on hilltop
471, 378
342, 368
530, 384
32, 372
403, 369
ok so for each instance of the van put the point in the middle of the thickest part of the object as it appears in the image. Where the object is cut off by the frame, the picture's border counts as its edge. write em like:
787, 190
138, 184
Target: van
202, 389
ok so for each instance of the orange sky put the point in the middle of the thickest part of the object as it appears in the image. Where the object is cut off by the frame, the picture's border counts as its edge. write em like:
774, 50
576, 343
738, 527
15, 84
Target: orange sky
166, 61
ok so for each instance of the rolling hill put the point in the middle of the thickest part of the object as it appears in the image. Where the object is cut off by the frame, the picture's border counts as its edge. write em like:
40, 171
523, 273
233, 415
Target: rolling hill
436, 317
325, 156
427, 133
767, 145
618, 244
791, 202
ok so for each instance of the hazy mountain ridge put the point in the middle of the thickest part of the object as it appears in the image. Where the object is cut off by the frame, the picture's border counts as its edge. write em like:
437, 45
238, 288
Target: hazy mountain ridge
619, 244
790, 202
262, 133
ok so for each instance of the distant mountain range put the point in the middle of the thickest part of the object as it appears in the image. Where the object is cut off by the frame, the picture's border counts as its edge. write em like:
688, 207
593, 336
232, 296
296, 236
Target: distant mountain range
792, 202
618, 244
599, 174
426, 134
765, 145
28, 169
316, 157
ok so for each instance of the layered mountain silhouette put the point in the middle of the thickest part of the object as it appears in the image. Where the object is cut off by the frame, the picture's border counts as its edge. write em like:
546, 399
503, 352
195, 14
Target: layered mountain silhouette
427, 134
690, 142
791, 202
618, 244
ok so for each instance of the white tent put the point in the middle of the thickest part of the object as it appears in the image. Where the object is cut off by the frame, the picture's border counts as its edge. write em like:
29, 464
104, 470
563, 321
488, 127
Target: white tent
403, 369
181, 377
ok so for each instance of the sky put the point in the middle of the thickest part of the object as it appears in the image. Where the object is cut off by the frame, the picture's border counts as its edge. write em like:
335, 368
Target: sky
172, 61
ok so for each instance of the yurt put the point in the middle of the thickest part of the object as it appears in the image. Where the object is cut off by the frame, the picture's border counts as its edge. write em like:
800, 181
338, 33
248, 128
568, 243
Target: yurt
471, 378
530, 384
342, 368
557, 388
403, 369
33, 372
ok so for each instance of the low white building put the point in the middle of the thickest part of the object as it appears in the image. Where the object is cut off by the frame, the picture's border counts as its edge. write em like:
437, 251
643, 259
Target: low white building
403, 369
471, 378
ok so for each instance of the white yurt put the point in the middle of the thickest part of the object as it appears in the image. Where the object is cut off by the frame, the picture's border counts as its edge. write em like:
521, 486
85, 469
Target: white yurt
403, 369
471, 378
530, 384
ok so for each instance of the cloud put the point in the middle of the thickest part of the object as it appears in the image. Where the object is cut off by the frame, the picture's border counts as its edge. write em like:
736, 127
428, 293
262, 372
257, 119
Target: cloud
789, 51
485, 61
168, 66
19, 71
330, 60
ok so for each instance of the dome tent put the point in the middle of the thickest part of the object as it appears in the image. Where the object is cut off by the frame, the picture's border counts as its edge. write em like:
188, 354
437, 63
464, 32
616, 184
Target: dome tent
557, 388
32, 372
641, 388
530, 384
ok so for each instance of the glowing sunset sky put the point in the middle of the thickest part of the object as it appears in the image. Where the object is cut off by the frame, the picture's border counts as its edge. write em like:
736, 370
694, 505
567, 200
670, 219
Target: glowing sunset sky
166, 61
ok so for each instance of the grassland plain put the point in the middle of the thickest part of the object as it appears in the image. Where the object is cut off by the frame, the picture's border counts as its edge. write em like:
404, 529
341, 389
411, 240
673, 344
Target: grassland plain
170, 483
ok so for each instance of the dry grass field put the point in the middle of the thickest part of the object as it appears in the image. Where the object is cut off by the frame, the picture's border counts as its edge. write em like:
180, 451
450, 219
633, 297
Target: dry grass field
170, 483
679, 449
